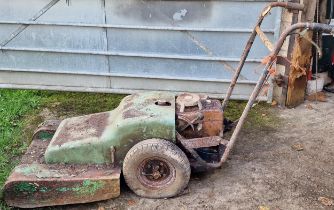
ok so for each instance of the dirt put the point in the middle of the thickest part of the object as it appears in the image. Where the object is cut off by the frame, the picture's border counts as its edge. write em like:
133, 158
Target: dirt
78, 128
265, 171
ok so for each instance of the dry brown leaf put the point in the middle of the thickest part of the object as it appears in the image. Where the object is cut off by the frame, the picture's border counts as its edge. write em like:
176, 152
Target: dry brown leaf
309, 106
55, 104
131, 202
274, 103
326, 201
297, 147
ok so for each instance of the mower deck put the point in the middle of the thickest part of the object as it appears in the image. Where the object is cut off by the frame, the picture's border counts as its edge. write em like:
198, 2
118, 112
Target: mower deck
35, 184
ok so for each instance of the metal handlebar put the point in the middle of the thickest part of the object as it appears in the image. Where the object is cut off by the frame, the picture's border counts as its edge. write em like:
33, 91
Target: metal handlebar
264, 13
310, 26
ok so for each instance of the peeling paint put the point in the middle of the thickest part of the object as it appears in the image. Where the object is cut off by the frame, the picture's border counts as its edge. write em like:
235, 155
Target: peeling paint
25, 187
87, 187
44, 189
45, 136
38, 171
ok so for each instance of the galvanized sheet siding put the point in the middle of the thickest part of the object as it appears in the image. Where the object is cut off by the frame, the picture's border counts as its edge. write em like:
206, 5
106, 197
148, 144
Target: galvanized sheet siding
131, 45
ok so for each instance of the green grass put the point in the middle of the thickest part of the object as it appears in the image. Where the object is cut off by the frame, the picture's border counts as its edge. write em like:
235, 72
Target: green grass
14, 105
260, 116
22, 111
73, 104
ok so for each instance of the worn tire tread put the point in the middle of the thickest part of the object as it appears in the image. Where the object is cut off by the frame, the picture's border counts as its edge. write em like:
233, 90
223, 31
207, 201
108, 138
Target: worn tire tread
157, 146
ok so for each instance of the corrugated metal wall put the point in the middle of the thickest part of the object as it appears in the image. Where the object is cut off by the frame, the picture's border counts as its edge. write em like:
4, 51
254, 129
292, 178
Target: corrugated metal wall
130, 45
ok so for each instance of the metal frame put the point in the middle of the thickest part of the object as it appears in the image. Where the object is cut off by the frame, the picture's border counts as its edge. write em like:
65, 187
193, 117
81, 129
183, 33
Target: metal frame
273, 56
257, 31
225, 147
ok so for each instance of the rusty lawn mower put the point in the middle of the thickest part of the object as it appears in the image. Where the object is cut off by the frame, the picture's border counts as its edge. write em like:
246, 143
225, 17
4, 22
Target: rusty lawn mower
153, 138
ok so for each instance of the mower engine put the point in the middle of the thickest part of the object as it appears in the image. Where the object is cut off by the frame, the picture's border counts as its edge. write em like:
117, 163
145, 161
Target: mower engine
198, 116
200, 127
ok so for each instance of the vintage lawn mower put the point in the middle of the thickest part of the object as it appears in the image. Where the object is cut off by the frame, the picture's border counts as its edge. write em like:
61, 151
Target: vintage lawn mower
153, 138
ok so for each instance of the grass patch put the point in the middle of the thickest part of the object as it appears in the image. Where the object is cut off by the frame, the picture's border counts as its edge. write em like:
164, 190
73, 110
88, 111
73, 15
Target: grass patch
14, 105
260, 116
73, 104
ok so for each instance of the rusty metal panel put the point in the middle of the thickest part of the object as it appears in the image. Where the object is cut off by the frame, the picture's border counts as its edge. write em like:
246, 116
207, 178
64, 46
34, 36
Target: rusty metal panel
129, 46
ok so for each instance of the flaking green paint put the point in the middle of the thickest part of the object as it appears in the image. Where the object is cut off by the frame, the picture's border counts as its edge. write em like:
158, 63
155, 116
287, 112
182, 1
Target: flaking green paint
44, 189
25, 187
136, 118
87, 187
37, 170
27, 170
45, 136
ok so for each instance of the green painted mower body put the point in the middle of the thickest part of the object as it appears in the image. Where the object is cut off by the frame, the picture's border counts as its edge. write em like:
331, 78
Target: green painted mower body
93, 138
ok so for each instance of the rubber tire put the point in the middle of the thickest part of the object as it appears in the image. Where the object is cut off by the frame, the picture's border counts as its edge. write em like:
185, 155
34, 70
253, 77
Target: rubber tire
162, 149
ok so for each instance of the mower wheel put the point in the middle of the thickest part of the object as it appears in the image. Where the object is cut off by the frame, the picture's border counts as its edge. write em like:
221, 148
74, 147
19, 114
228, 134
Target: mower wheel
156, 168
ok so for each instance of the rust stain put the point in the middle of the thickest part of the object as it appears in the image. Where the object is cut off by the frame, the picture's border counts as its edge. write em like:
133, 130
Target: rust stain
93, 124
202, 142
209, 121
132, 113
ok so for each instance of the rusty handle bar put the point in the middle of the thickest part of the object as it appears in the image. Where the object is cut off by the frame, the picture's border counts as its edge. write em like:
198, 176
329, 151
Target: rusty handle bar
310, 26
288, 5
265, 11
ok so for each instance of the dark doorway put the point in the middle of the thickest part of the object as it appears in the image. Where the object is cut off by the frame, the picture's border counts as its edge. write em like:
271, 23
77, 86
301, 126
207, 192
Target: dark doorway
326, 62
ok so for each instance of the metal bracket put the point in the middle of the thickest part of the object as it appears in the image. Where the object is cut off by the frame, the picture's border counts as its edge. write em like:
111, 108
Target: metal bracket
201, 142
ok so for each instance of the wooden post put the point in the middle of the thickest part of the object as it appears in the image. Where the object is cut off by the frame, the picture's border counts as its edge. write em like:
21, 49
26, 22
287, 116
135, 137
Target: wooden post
282, 95
301, 59
300, 65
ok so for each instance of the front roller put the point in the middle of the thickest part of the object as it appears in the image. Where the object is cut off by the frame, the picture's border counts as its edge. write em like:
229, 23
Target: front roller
156, 168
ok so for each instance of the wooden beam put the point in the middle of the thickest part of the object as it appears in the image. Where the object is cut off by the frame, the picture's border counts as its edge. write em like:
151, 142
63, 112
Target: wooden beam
295, 17
300, 64
301, 60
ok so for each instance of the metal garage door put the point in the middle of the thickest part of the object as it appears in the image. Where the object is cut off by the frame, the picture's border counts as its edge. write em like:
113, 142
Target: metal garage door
130, 45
